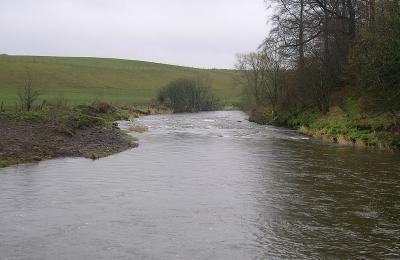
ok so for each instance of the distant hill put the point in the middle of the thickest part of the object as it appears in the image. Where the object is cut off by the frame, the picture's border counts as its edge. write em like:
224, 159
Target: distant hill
86, 79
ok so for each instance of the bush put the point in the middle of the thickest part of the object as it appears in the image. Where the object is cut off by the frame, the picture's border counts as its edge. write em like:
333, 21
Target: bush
305, 118
352, 108
103, 107
3, 163
27, 94
261, 115
188, 95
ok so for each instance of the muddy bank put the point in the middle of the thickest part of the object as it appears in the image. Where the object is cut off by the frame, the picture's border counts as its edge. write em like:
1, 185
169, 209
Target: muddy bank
35, 137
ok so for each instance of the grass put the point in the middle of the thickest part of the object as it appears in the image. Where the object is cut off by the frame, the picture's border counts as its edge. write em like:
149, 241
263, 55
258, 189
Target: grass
82, 80
3, 163
343, 125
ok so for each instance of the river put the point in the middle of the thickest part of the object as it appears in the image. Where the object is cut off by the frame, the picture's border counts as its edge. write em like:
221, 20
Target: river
206, 186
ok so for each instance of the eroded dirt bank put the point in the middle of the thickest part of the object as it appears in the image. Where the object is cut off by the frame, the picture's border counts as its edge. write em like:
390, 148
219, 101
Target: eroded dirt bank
35, 137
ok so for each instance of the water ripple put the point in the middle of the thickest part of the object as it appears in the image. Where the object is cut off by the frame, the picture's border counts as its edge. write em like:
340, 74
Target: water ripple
205, 186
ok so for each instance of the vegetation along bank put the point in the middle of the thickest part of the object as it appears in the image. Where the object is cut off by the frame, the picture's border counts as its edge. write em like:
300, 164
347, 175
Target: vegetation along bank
329, 70
57, 130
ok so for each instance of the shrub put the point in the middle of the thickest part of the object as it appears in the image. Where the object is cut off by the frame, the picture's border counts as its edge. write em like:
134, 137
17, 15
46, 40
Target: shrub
3, 163
351, 108
103, 107
78, 120
27, 94
188, 95
305, 118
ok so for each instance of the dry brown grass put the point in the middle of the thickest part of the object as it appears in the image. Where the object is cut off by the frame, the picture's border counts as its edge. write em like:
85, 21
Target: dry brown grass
303, 130
343, 141
137, 128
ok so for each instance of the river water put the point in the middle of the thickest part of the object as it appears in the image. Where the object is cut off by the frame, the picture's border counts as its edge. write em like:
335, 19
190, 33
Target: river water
206, 186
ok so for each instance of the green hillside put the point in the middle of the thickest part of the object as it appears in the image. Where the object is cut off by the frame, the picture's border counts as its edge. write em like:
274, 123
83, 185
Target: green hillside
86, 79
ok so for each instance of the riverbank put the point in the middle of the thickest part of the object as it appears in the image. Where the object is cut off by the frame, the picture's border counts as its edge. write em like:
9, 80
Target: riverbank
344, 126
82, 131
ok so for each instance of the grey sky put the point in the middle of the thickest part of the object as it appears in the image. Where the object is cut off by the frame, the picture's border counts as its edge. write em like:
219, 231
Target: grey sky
199, 33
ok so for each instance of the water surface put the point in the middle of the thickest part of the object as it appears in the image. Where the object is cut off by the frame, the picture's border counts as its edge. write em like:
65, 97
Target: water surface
206, 186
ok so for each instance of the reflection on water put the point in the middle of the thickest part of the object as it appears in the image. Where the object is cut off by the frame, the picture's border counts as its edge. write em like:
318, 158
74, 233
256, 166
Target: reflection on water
206, 186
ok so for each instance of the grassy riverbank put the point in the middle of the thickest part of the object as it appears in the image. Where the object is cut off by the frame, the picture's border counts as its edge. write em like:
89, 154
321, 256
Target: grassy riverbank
342, 124
82, 131
80, 80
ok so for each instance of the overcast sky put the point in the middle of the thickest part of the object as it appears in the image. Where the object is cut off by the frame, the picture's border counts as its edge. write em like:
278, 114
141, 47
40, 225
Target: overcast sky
198, 33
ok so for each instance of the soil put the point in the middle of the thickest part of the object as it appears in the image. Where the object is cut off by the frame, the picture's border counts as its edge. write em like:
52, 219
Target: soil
25, 141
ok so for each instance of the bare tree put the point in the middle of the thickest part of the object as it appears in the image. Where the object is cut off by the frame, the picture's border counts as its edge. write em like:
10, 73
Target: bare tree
260, 76
251, 67
375, 58
316, 36
27, 94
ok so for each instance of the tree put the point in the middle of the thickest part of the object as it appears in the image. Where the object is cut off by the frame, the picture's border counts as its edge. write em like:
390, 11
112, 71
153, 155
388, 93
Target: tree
188, 95
316, 36
252, 69
260, 75
295, 32
375, 58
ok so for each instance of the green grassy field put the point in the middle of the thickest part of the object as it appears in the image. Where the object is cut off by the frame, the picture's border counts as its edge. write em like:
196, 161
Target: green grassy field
81, 80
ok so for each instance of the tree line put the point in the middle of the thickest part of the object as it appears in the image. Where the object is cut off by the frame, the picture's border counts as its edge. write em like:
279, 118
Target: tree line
319, 50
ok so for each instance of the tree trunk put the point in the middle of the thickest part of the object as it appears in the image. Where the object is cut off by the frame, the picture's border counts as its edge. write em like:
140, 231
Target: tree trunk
352, 20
